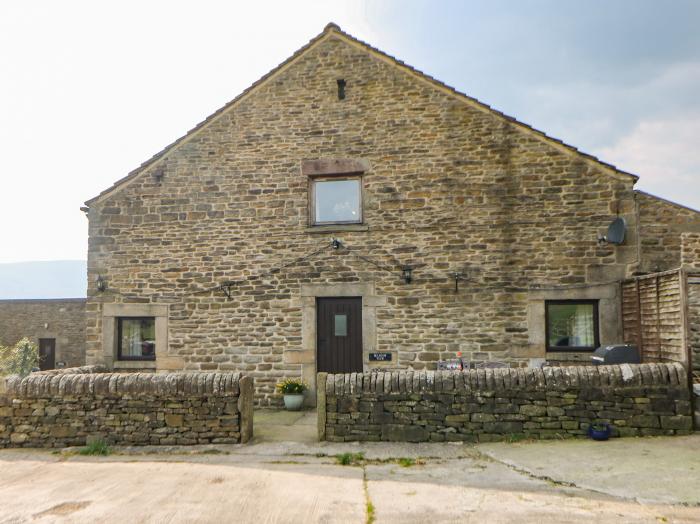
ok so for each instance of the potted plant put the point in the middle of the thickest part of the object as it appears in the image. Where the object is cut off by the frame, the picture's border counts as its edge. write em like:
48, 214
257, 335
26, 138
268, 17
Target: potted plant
599, 431
293, 391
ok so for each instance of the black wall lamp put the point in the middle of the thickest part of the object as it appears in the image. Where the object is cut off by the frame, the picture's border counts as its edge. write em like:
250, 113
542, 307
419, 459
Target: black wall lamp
458, 276
100, 283
407, 274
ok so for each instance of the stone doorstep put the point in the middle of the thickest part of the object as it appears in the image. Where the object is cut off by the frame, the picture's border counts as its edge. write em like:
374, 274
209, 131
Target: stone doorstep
285, 426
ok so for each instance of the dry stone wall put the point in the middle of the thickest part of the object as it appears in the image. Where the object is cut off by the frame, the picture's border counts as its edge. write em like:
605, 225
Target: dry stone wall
61, 319
67, 409
496, 404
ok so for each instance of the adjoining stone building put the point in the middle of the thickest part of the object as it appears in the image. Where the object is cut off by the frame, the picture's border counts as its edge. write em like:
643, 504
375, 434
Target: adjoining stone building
56, 326
460, 229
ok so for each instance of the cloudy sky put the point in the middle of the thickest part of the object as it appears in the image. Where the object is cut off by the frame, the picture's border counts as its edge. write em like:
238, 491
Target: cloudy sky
89, 90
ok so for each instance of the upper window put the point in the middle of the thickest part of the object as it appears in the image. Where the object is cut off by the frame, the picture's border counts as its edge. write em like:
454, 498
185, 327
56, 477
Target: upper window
136, 338
337, 201
572, 325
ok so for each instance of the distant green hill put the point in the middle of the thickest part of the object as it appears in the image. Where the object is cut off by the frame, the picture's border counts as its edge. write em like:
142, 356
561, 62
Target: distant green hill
51, 279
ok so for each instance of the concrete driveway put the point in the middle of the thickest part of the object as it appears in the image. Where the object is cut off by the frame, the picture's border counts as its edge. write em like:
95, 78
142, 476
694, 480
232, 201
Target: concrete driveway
629, 480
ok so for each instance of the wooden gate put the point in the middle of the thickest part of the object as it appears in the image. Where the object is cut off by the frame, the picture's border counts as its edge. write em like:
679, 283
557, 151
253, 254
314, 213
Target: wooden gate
655, 316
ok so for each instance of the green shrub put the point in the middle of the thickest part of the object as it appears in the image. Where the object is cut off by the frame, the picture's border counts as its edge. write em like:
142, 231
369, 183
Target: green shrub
292, 386
20, 359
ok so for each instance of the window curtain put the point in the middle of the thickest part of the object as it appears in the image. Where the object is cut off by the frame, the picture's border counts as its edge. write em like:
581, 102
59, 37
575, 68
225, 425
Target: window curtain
582, 327
131, 339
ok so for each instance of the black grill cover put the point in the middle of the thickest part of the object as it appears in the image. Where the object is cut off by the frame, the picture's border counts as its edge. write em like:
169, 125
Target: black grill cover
616, 354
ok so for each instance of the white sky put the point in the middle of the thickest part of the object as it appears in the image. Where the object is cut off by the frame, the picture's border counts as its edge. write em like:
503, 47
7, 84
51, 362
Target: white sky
89, 90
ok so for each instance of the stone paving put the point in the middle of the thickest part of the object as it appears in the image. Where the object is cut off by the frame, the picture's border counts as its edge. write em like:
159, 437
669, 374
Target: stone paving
271, 425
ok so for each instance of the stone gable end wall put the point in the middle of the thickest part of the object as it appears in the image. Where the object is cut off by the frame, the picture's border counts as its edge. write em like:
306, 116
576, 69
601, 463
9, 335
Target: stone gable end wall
449, 188
663, 225
497, 404
29, 318
68, 408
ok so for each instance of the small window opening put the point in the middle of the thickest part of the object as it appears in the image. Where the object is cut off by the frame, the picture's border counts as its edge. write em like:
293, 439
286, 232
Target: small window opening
572, 325
341, 89
136, 338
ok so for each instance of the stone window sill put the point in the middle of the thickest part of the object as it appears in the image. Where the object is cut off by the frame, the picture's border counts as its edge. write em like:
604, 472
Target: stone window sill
333, 228
135, 364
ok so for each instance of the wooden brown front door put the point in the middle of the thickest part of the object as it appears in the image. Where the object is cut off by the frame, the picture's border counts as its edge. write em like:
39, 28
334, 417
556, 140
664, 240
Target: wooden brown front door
47, 353
339, 334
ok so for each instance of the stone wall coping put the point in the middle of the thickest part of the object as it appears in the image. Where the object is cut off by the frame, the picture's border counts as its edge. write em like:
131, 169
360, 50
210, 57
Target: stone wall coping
548, 378
134, 385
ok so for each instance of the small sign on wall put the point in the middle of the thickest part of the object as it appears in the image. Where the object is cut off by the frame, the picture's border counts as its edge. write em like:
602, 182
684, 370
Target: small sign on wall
379, 357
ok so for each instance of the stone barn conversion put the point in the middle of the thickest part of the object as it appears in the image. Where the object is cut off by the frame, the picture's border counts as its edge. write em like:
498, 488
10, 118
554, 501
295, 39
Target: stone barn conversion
56, 326
348, 212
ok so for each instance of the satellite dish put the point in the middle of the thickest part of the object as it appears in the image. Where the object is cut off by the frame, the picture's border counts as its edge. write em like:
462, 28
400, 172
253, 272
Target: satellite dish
616, 231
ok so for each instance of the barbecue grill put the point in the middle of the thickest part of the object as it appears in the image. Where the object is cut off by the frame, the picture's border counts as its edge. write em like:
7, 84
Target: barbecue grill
616, 354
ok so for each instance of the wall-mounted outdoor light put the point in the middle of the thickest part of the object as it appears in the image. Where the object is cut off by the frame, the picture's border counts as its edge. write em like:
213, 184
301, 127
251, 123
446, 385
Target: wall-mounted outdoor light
407, 274
458, 276
100, 283
335, 243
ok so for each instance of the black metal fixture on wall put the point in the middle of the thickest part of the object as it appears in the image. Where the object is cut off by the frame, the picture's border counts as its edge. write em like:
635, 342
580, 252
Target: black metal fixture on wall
100, 283
336, 244
458, 276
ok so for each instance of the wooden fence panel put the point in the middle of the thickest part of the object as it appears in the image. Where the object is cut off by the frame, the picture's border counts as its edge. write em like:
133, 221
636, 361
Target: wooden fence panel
654, 316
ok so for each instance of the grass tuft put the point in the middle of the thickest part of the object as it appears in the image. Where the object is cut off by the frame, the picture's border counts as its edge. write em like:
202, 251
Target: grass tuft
370, 512
350, 459
96, 447
405, 462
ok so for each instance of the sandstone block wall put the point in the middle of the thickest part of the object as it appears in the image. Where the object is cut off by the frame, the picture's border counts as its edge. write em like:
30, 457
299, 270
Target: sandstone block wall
494, 404
61, 319
690, 250
450, 187
693, 301
662, 226
65, 409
